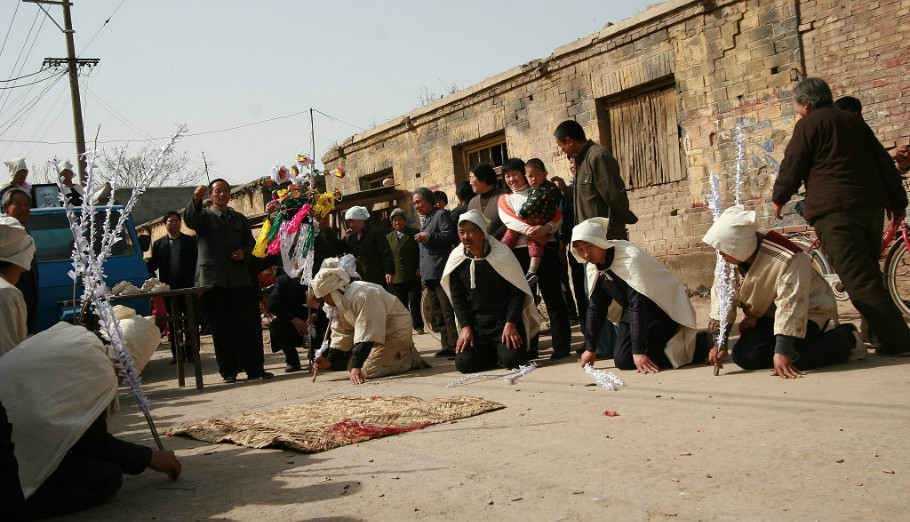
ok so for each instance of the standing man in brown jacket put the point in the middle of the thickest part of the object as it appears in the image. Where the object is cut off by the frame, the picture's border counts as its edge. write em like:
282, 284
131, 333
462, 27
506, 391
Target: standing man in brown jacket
598, 189
850, 181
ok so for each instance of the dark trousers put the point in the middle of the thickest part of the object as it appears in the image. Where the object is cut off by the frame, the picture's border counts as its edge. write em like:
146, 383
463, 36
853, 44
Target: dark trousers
755, 348
236, 330
285, 338
579, 282
409, 295
549, 285
489, 351
448, 336
78, 483
660, 329
852, 240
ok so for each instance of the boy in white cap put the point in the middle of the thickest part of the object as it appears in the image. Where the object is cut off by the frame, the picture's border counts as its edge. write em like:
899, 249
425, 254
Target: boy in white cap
791, 315
16, 251
369, 246
370, 325
657, 323
494, 308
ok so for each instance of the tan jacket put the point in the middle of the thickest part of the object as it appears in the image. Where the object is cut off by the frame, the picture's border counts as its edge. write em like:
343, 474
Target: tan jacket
368, 313
781, 285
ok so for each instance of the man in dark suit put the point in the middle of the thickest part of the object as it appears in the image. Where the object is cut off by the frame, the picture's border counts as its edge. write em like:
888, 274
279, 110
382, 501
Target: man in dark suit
174, 257
406, 281
225, 245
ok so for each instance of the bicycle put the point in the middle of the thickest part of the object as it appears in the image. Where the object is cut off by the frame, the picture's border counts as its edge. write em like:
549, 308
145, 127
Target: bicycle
820, 263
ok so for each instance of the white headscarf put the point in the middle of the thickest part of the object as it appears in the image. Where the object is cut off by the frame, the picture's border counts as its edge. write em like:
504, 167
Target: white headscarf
16, 165
16, 246
734, 233
357, 212
474, 216
65, 165
594, 231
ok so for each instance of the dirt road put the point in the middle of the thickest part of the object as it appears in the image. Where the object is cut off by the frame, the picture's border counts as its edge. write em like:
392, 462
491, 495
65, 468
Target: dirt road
686, 445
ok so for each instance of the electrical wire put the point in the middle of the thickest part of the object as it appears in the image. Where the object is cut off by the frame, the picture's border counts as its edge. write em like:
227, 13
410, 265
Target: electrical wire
106, 21
27, 84
13, 72
24, 76
10, 29
336, 119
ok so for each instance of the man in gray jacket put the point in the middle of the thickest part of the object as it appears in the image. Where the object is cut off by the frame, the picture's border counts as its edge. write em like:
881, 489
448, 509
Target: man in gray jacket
436, 238
225, 246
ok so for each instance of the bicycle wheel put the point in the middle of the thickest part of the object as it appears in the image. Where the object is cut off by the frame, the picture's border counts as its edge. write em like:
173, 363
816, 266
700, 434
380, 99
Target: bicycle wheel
430, 323
821, 265
897, 275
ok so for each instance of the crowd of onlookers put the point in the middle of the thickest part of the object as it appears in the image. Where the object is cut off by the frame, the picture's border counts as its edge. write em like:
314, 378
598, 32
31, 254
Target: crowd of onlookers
476, 274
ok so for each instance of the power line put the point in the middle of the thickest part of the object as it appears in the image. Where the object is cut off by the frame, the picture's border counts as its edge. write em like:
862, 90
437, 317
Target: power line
10, 29
92, 39
336, 119
27, 84
39, 71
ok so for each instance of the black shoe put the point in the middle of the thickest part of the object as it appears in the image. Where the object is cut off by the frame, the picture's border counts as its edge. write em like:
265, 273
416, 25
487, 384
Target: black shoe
292, 368
560, 355
230, 380
532, 278
445, 353
261, 377
173, 360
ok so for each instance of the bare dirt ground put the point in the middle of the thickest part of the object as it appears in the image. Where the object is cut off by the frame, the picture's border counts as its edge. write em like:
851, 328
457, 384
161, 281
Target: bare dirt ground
686, 445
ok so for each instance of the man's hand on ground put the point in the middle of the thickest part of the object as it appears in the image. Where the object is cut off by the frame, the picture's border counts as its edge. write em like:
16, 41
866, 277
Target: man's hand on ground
644, 363
166, 462
588, 358
357, 376
465, 339
510, 336
783, 367
715, 356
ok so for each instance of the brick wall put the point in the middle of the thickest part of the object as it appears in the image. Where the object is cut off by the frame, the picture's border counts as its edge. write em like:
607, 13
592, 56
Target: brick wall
732, 63
861, 48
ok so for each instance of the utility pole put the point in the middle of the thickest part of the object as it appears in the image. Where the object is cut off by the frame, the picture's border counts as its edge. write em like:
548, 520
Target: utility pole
72, 65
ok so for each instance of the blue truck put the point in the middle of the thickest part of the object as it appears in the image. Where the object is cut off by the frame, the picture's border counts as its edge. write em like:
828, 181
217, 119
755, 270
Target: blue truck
54, 245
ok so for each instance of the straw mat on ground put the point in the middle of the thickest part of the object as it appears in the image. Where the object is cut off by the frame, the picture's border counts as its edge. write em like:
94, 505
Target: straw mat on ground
333, 422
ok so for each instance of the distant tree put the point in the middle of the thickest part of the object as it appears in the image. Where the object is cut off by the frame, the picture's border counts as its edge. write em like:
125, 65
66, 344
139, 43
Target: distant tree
40, 173
174, 171
424, 96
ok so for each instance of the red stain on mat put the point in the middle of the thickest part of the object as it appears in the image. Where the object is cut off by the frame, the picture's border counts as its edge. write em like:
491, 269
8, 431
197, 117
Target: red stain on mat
609, 413
351, 429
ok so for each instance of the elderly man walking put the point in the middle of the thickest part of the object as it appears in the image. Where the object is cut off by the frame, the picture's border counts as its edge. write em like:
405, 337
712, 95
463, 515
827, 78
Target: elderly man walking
850, 181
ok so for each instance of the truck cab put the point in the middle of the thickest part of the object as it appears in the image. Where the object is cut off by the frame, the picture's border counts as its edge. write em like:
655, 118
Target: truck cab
53, 250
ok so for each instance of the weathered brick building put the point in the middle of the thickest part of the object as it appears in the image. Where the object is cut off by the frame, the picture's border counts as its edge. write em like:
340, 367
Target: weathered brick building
665, 91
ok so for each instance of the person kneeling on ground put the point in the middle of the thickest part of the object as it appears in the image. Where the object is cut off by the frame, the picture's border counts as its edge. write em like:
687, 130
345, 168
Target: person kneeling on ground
56, 455
791, 314
493, 304
370, 326
657, 324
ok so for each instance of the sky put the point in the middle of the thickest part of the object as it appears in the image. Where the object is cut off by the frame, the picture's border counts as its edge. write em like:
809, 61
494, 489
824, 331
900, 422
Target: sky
244, 75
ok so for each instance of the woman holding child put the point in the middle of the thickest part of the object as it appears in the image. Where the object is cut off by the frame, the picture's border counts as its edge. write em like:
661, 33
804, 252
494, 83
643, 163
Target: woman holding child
533, 229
